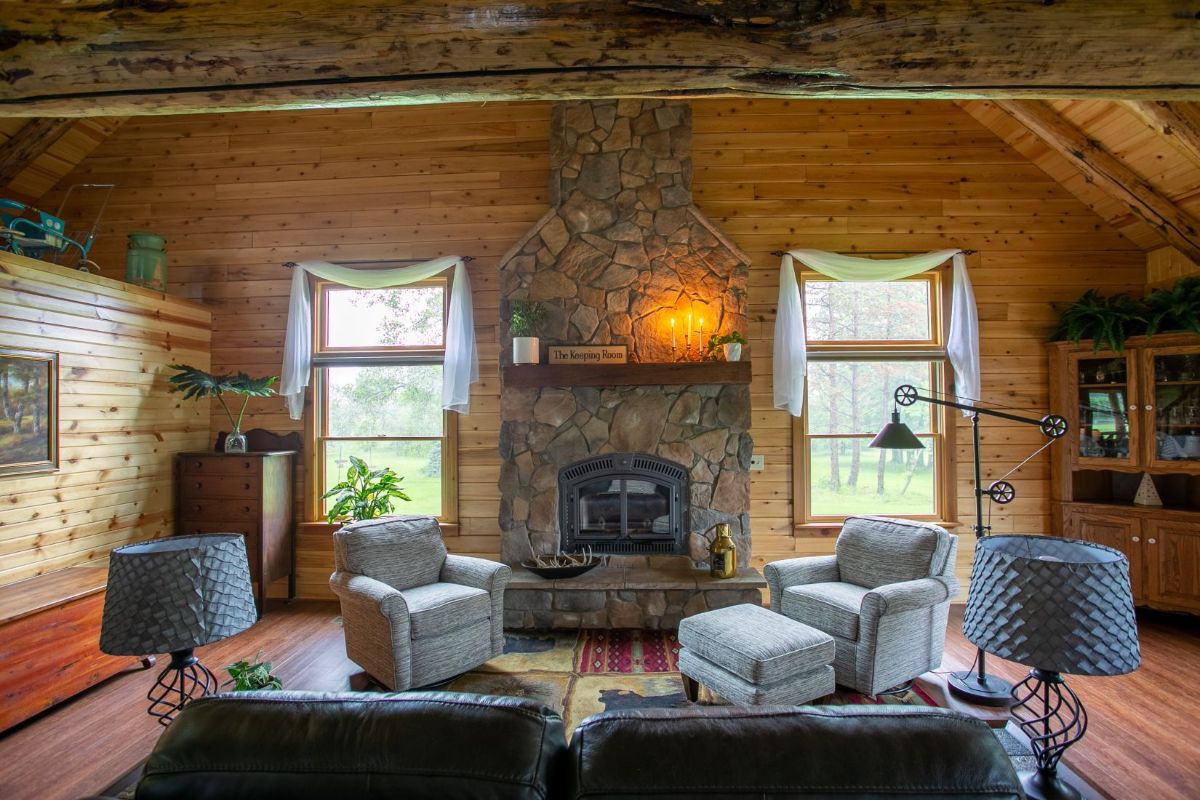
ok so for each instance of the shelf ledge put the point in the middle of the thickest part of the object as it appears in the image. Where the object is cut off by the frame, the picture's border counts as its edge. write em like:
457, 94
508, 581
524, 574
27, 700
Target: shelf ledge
703, 372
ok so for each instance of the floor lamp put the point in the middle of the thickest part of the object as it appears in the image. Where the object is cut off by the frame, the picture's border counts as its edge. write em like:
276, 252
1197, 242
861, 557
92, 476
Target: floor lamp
974, 685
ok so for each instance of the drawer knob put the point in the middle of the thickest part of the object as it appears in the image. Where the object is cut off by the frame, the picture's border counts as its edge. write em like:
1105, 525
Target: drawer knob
1137, 538
1152, 541
1149, 408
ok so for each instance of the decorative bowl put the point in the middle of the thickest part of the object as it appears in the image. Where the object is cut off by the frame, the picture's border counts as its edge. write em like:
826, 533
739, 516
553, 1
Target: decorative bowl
568, 571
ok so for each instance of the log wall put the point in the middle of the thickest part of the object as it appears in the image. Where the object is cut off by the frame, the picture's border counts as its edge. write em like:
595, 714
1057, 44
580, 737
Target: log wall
118, 426
238, 194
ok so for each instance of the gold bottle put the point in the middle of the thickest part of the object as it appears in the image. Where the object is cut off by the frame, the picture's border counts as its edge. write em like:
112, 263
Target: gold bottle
722, 553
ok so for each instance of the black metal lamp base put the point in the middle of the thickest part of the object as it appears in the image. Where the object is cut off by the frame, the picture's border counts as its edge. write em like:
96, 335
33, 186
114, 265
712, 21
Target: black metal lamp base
985, 690
1046, 785
182, 681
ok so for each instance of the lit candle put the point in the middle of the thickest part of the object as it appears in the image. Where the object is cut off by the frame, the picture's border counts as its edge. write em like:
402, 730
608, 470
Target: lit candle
672, 333
688, 332
702, 333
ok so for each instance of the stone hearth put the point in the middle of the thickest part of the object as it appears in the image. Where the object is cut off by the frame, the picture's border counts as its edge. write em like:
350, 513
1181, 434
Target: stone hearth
621, 251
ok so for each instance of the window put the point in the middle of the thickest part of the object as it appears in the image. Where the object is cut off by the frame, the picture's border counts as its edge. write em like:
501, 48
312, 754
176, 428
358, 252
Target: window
864, 340
379, 355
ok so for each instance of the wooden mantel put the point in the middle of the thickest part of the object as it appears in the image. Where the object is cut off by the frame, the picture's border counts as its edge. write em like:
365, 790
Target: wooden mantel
693, 372
138, 57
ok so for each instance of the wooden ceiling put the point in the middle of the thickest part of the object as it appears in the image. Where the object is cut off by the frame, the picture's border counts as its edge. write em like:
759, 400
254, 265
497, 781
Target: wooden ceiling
36, 154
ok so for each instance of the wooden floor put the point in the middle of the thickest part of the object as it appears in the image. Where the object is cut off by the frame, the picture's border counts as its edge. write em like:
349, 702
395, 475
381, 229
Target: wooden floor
1141, 742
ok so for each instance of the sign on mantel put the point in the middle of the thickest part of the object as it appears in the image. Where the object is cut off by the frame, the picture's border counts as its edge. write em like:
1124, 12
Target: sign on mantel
588, 353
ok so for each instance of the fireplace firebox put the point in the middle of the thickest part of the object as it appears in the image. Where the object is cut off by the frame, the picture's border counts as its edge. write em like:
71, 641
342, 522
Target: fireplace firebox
623, 503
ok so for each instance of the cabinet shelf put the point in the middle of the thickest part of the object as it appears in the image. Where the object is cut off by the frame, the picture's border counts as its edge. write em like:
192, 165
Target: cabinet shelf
1122, 386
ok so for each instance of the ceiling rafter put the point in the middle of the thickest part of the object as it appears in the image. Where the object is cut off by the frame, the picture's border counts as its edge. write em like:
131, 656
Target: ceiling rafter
1178, 123
1108, 173
31, 140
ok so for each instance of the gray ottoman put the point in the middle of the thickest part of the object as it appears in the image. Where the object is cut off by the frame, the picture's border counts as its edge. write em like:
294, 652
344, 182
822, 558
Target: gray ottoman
752, 656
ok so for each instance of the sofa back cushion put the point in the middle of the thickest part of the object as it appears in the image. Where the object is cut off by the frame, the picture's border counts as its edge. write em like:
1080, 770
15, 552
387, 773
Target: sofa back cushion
403, 552
299, 745
875, 551
776, 752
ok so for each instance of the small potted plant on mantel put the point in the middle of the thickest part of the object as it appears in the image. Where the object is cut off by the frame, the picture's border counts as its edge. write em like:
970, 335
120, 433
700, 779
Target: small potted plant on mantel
365, 493
731, 343
525, 318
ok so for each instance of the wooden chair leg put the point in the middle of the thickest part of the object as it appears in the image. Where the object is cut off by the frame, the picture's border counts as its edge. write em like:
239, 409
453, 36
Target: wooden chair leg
691, 688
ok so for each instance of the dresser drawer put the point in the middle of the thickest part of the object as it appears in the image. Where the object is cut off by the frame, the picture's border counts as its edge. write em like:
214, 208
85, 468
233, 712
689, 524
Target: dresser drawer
208, 508
220, 465
196, 487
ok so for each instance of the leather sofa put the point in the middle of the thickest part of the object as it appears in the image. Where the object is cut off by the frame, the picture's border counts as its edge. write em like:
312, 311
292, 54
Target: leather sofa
447, 746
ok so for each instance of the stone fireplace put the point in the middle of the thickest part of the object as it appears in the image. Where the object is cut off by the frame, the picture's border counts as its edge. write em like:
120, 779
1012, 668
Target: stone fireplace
621, 252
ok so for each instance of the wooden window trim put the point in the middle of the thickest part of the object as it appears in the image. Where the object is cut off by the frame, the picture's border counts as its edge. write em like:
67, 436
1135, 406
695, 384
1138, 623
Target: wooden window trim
804, 524
315, 426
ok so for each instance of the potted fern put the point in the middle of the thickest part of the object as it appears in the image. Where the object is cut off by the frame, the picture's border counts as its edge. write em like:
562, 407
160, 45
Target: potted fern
365, 493
525, 319
196, 384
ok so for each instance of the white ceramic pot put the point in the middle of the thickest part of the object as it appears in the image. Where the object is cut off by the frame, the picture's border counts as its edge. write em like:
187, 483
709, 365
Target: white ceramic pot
733, 351
525, 349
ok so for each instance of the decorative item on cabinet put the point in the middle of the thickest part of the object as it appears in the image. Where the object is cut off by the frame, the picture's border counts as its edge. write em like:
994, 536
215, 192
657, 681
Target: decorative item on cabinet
246, 493
146, 261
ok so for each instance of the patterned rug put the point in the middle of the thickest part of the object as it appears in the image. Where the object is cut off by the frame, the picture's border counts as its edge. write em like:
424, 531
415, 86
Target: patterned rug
580, 673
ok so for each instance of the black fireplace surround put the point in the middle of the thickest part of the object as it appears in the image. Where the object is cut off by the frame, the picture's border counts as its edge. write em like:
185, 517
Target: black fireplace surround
622, 503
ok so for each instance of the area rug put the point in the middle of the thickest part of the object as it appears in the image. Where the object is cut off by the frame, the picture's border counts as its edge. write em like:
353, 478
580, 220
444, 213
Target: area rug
580, 673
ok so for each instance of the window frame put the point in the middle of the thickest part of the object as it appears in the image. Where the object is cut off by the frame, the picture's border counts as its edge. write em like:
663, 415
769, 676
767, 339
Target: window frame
378, 355
932, 350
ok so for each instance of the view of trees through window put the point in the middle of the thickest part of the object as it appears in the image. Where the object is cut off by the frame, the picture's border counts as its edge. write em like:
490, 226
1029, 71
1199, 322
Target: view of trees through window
850, 398
389, 415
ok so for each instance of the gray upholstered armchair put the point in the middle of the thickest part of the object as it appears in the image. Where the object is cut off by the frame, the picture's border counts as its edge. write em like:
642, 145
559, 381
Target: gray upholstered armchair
413, 615
883, 597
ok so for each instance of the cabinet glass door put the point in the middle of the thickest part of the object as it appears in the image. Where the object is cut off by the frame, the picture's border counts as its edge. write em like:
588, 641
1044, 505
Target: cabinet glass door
1174, 407
1105, 395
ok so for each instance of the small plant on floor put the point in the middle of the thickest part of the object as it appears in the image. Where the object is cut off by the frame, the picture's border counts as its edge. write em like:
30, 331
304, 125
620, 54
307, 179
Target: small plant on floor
365, 494
249, 676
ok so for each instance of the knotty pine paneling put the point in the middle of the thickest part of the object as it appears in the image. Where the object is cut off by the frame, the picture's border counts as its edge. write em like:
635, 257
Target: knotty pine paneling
118, 425
238, 194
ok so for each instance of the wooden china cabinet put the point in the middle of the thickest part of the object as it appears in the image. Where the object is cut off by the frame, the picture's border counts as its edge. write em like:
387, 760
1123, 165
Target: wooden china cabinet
1132, 413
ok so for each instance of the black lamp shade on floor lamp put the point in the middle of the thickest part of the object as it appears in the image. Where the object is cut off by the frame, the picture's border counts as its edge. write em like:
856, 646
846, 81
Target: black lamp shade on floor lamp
1059, 606
172, 595
896, 436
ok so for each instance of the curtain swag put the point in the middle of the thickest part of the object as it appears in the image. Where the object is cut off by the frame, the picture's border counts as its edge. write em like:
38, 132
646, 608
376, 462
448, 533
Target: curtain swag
461, 367
790, 363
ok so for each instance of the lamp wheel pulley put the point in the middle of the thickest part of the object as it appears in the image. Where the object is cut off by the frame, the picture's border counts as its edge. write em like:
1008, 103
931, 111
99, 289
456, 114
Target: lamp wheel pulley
1053, 425
906, 395
1002, 493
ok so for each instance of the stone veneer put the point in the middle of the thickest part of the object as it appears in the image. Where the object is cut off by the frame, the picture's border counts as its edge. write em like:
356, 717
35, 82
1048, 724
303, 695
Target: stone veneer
620, 252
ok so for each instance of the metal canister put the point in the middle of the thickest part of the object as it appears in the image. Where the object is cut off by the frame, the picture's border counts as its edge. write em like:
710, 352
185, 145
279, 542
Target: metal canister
722, 552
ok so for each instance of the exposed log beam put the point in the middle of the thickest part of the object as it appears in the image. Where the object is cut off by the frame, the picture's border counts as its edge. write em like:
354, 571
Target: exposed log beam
1106, 171
173, 56
1178, 124
30, 141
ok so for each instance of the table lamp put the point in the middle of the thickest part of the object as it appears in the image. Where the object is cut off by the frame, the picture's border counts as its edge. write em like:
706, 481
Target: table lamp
170, 596
1058, 606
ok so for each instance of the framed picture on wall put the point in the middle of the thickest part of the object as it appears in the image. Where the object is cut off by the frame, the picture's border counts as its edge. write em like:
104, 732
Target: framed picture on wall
28, 411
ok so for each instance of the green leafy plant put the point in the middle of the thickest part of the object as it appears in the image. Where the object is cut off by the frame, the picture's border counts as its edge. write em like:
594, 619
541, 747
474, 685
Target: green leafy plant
196, 384
248, 676
716, 340
525, 317
1109, 321
365, 494
1177, 308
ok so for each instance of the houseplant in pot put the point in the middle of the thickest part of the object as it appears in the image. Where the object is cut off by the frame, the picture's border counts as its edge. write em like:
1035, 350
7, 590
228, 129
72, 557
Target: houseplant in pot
525, 319
196, 383
731, 343
252, 676
365, 493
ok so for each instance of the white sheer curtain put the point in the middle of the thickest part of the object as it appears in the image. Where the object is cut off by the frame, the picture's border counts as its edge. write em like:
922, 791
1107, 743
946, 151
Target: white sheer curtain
461, 367
790, 363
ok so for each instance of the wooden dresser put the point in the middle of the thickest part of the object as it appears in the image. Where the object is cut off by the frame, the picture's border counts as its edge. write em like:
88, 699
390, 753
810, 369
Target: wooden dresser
247, 493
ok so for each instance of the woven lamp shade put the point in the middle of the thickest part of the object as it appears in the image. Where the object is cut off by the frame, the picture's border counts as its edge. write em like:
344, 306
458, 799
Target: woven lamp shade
176, 593
1060, 605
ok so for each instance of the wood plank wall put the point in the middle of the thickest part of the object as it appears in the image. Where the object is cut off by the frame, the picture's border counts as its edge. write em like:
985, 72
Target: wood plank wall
117, 425
238, 194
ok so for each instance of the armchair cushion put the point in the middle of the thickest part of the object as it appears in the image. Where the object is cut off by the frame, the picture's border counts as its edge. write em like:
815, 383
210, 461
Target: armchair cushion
403, 552
830, 607
438, 608
872, 551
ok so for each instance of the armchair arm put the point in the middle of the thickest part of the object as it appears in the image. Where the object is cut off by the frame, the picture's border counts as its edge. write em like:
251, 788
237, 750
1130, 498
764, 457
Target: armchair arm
361, 590
478, 573
895, 598
798, 571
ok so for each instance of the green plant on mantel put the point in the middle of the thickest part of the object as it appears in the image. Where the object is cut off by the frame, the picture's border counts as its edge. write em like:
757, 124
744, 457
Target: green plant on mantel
716, 340
196, 384
1109, 321
365, 494
249, 676
525, 317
